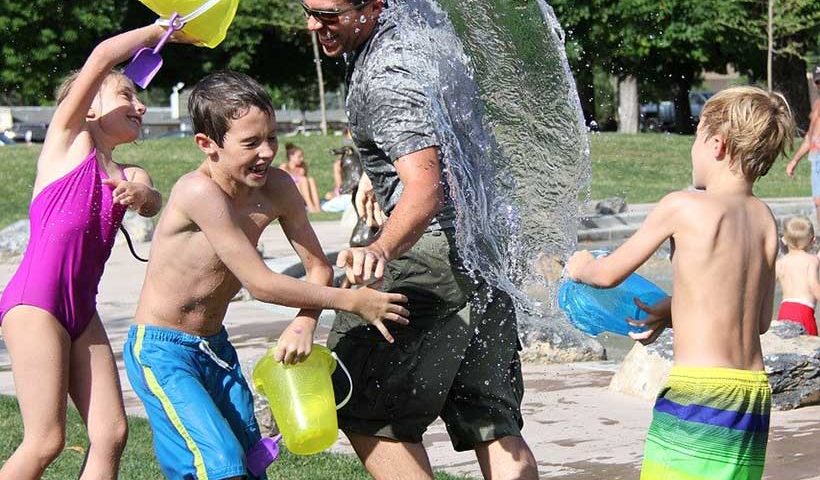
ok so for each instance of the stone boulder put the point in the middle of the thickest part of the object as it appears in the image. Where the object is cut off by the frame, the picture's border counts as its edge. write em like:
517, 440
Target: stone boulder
792, 362
13, 241
611, 206
793, 365
644, 369
556, 341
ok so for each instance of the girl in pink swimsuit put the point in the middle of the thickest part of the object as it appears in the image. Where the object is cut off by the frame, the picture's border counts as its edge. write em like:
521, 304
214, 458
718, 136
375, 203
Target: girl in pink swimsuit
48, 312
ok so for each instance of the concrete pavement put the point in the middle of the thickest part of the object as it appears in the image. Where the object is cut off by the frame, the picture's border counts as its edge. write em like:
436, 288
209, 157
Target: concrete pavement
576, 427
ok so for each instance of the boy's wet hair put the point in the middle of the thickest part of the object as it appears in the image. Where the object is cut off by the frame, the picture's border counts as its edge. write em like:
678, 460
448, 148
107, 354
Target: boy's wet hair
65, 86
756, 125
222, 97
798, 232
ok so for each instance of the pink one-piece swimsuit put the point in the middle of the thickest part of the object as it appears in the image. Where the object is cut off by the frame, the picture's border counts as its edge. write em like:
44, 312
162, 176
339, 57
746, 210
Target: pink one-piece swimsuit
73, 225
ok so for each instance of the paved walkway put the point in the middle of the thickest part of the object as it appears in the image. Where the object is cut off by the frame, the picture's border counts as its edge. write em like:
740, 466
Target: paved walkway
576, 427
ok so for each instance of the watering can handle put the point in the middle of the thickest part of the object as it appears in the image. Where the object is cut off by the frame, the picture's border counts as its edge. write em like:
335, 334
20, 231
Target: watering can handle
349, 379
173, 25
187, 18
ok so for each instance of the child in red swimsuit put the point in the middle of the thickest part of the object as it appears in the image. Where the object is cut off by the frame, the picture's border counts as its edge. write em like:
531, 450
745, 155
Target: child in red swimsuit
798, 273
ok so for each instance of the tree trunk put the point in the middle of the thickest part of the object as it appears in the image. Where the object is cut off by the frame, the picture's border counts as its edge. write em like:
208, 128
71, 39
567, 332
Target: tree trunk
318, 60
789, 74
628, 105
683, 109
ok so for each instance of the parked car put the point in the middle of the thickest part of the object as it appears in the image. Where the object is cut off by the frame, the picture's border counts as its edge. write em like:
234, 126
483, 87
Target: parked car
661, 116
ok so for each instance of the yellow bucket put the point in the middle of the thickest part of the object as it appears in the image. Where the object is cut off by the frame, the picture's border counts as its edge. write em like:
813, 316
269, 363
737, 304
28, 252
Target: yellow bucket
301, 399
205, 20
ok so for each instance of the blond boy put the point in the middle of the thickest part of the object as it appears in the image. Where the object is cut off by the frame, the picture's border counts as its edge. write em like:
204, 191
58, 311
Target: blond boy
797, 272
711, 420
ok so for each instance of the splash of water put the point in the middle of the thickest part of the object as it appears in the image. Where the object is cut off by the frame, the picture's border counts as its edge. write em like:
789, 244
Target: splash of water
509, 122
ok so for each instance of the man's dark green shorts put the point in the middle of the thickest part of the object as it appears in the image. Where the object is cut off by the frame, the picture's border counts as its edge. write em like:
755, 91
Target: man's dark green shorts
457, 359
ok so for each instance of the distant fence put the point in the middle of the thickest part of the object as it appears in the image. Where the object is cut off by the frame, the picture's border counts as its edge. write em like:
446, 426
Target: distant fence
158, 121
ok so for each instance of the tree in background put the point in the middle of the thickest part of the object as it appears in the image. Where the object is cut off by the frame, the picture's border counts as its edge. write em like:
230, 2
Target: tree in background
46, 39
663, 45
584, 23
796, 35
667, 45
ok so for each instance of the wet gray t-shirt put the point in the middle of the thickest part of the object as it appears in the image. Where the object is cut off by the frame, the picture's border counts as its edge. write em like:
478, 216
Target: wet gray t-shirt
391, 116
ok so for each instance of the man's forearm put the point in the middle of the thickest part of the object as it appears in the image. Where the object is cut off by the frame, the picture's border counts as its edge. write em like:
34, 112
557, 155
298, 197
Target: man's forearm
408, 221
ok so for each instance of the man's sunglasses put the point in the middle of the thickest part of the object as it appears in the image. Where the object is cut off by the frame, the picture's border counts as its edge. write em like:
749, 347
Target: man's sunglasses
331, 16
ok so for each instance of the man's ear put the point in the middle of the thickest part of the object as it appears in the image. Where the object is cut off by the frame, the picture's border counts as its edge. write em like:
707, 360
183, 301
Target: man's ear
206, 144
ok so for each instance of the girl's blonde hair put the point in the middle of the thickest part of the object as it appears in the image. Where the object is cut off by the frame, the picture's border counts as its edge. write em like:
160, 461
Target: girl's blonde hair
68, 82
756, 125
798, 233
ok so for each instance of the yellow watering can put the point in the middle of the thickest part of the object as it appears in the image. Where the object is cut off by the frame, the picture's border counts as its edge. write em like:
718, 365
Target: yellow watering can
301, 398
205, 20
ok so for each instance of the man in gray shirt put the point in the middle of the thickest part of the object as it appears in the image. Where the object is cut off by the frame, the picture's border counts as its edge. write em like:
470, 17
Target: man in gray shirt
458, 358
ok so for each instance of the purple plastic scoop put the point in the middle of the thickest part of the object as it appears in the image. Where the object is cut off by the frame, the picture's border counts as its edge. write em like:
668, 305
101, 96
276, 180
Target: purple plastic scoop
147, 62
262, 454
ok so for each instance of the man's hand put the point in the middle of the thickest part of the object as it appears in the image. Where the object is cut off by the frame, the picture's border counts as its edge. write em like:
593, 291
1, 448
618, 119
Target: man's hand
296, 341
362, 264
659, 318
133, 195
577, 262
366, 204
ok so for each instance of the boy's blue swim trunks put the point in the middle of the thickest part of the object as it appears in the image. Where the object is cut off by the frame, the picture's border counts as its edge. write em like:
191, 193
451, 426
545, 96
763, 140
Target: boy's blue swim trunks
198, 403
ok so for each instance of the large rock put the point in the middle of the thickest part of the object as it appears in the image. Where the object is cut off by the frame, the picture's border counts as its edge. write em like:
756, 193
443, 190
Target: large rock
556, 341
13, 241
644, 370
792, 362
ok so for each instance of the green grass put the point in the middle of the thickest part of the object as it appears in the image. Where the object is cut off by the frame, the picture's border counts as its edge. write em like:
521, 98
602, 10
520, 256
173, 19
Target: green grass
138, 461
165, 159
642, 167
645, 167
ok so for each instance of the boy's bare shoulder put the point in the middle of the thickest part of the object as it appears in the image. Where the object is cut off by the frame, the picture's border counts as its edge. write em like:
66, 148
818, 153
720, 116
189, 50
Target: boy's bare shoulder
763, 212
280, 188
683, 202
192, 188
277, 177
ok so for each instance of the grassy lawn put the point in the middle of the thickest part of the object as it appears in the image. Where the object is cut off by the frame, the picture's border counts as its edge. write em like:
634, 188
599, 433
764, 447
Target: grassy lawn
138, 462
641, 167
645, 167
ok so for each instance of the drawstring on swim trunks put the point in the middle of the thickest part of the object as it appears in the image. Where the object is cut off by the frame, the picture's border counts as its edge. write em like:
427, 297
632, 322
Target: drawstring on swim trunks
206, 349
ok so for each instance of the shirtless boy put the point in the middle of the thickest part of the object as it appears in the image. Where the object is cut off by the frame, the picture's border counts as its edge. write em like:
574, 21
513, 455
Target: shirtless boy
797, 272
711, 420
177, 356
